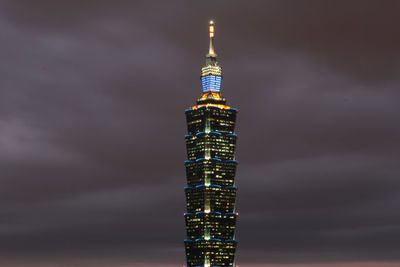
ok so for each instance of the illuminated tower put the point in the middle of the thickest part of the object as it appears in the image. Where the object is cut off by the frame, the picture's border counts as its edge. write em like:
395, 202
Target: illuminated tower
210, 171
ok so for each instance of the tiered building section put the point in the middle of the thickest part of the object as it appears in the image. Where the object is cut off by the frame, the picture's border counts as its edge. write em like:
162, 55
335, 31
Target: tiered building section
210, 170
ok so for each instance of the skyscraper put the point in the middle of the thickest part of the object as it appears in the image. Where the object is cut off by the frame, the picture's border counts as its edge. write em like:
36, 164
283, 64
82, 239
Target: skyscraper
210, 171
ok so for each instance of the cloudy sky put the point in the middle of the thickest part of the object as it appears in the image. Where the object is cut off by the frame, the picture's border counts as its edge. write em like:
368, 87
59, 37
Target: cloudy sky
92, 99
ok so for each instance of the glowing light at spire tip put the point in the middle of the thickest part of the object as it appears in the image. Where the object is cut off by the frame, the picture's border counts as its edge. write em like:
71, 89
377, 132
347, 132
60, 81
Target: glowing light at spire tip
211, 28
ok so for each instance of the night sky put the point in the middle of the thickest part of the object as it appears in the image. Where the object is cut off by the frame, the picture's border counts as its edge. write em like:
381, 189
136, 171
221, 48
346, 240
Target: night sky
92, 125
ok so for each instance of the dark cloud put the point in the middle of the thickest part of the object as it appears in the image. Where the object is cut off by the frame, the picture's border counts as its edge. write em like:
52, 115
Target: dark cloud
91, 120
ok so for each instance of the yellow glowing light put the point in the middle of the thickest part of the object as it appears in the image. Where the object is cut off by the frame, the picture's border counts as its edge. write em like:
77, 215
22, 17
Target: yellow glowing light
212, 29
213, 95
211, 105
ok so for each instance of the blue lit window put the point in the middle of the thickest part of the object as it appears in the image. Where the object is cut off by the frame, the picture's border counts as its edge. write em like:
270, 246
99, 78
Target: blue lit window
211, 83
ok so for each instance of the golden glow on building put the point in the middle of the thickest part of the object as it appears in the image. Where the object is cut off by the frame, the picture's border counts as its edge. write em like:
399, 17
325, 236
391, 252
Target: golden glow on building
211, 105
211, 95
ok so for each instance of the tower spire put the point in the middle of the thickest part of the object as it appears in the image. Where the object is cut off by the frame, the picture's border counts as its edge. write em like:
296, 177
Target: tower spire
211, 58
212, 33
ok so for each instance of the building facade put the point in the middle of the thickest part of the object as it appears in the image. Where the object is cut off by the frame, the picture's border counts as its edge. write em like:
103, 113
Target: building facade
210, 170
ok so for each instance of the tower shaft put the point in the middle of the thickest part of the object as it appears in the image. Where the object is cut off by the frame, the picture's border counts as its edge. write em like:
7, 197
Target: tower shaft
210, 170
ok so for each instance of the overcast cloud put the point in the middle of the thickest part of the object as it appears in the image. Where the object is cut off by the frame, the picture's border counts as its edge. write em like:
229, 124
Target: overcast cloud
92, 99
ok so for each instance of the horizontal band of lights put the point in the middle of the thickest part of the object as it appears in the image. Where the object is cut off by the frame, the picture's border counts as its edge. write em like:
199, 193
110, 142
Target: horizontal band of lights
212, 105
220, 106
211, 83
211, 213
214, 159
211, 132
211, 239
214, 70
212, 185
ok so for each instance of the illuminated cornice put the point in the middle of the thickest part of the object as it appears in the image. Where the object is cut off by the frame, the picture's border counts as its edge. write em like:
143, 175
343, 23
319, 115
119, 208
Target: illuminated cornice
211, 105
